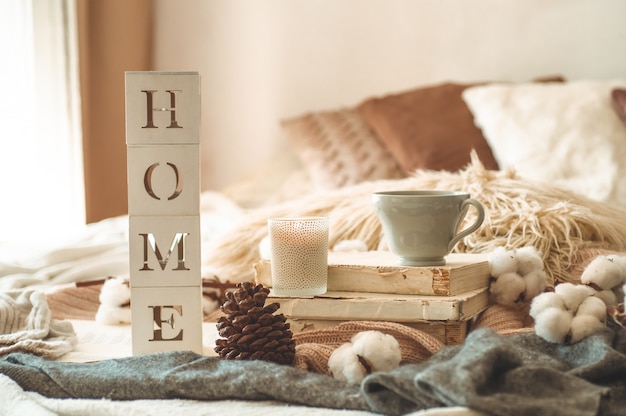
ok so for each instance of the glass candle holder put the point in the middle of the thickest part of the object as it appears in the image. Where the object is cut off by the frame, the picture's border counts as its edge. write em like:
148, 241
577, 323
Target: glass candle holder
299, 255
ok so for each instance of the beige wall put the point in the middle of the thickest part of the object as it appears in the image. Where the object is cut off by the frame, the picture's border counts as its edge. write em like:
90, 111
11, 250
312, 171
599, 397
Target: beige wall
114, 37
261, 61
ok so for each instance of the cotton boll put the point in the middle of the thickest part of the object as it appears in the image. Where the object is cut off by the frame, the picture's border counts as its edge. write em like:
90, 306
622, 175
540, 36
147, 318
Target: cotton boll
209, 305
619, 289
573, 294
608, 296
112, 315
115, 292
208, 271
620, 261
382, 351
553, 324
114, 302
344, 365
603, 272
528, 260
265, 248
350, 245
507, 289
535, 283
544, 301
583, 326
592, 306
501, 261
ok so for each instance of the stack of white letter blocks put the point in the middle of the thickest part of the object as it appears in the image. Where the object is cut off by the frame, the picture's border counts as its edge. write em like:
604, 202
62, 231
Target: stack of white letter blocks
162, 135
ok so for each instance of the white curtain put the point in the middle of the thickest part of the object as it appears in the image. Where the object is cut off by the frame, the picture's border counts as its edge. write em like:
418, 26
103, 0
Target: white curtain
41, 169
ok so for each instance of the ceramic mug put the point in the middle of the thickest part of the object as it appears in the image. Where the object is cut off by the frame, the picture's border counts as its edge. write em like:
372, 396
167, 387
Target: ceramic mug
422, 227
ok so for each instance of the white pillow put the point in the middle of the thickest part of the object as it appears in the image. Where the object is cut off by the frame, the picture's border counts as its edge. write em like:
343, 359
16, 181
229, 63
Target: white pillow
564, 133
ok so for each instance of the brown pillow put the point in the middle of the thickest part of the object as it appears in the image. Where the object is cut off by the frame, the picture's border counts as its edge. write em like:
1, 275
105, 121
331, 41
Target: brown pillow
618, 97
338, 148
431, 127
428, 128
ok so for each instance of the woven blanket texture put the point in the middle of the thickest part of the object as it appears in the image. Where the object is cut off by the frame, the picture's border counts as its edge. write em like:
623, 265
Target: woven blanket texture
515, 375
26, 325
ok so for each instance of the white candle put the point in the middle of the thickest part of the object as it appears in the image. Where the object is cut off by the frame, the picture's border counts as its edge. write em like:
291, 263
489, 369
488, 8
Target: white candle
299, 255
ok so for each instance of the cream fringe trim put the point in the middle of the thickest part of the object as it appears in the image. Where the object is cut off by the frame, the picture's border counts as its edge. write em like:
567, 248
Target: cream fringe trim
518, 213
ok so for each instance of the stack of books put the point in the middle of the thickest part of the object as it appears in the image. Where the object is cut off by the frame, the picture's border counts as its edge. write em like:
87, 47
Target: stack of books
372, 286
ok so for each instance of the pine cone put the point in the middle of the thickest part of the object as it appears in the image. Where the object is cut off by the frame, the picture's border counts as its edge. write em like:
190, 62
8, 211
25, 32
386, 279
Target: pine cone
250, 330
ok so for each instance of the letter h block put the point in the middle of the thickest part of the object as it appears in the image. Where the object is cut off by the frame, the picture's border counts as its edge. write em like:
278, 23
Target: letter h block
162, 137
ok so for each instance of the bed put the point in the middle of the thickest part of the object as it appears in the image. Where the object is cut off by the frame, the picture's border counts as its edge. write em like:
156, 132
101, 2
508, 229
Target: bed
548, 212
544, 155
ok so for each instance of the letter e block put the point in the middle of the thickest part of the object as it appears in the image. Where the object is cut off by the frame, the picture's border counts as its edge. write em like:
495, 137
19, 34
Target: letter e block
166, 319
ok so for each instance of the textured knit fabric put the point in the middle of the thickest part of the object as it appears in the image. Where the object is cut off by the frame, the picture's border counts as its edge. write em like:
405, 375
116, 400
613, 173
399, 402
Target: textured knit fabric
515, 375
26, 325
314, 348
180, 375
14, 401
75, 301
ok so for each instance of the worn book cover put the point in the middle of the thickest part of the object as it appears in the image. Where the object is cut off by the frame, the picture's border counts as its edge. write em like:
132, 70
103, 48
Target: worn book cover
362, 306
379, 272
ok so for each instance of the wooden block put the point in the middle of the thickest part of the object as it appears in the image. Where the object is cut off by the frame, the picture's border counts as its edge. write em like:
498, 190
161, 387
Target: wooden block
379, 272
164, 251
362, 306
448, 332
162, 107
162, 134
163, 180
166, 319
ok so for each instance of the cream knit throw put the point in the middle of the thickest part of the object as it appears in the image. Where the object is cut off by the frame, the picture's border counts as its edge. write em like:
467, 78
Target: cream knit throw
26, 326
518, 213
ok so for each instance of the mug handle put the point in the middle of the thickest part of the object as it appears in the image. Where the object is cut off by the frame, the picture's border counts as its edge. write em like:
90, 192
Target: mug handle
479, 220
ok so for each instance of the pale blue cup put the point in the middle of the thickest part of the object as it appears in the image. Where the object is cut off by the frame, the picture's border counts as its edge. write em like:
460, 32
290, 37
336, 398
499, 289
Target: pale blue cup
422, 227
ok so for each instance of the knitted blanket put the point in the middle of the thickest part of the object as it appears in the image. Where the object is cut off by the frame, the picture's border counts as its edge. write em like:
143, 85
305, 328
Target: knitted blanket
26, 325
515, 375
16, 401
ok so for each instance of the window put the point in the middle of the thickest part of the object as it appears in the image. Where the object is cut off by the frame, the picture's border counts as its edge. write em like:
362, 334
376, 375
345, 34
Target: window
41, 171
